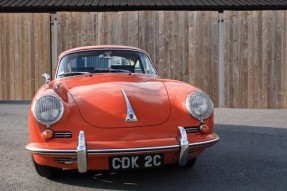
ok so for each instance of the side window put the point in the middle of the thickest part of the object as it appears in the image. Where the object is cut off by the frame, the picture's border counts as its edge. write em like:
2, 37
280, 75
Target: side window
149, 69
144, 66
138, 68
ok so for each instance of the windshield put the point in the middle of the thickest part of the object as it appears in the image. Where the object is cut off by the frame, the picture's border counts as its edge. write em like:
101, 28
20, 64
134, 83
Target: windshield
105, 61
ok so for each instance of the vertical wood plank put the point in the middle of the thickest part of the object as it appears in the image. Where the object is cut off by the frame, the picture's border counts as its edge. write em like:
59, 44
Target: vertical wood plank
284, 70
161, 59
214, 56
192, 46
265, 60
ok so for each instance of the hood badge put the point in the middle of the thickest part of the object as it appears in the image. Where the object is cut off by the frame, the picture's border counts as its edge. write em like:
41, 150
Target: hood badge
131, 116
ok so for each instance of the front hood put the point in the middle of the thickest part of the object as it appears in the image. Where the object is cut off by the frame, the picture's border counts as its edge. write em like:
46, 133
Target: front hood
101, 101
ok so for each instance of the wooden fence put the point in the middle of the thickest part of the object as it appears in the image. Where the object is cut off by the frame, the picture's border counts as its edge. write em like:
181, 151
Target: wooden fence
24, 54
182, 44
256, 59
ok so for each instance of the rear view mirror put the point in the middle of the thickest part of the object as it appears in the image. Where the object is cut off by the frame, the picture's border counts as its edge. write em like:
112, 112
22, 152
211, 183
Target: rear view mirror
46, 77
106, 55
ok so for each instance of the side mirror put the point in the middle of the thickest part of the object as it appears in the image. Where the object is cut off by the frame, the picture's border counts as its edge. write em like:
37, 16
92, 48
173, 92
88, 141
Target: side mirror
46, 77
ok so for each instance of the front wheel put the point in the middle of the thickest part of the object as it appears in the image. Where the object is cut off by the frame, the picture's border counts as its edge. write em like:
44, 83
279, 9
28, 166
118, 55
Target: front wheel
190, 163
46, 171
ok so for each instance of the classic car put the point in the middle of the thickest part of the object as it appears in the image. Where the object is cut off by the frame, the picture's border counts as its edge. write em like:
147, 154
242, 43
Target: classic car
107, 109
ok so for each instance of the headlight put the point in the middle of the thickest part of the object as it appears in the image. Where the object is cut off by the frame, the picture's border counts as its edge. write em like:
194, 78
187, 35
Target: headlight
199, 105
48, 110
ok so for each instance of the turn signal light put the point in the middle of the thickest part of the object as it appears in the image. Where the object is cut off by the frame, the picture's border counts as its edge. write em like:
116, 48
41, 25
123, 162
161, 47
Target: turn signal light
204, 129
47, 134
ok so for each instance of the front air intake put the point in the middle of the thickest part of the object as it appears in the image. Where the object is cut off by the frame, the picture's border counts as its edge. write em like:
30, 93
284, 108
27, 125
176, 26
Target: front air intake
191, 129
66, 160
62, 134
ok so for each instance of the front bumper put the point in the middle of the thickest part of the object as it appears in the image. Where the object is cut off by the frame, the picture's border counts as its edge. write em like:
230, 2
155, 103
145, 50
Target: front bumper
82, 152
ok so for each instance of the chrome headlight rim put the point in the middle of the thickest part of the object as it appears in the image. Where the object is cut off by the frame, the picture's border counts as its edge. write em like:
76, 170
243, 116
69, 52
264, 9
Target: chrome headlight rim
59, 116
191, 98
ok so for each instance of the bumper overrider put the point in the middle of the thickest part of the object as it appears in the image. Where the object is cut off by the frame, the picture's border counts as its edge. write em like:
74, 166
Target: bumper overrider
82, 152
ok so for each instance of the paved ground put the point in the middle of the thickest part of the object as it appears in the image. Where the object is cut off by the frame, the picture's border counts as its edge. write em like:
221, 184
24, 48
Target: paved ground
252, 155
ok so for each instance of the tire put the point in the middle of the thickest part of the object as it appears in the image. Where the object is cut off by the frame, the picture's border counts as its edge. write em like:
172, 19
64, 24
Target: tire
46, 171
190, 163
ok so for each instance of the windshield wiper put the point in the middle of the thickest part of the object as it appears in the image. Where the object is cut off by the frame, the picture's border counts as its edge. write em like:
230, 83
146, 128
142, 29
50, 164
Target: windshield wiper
112, 70
119, 70
73, 74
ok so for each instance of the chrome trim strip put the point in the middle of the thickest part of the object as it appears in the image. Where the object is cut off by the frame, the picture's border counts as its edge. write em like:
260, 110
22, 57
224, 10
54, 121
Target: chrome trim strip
82, 153
184, 147
103, 151
119, 151
62, 134
131, 116
210, 142
132, 150
191, 129
51, 151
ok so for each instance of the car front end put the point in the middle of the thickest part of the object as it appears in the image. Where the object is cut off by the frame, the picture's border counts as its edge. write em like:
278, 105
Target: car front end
118, 121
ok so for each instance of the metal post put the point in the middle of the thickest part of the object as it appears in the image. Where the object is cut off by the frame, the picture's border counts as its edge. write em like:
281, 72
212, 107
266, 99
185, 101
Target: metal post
221, 59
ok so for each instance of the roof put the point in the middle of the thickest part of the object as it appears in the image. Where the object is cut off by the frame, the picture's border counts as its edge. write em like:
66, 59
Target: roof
132, 5
100, 47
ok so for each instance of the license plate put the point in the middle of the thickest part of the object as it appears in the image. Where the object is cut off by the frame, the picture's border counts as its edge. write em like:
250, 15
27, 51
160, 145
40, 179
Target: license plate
136, 162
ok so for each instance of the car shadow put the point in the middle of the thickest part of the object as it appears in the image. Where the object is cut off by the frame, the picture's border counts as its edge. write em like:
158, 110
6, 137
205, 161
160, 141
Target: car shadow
152, 179
245, 157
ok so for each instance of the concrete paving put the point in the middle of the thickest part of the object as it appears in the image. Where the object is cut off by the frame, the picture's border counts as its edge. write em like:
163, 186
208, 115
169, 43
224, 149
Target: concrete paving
251, 155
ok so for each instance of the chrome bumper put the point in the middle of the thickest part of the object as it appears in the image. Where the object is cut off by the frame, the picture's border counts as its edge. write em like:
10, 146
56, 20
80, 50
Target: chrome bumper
81, 152
184, 147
